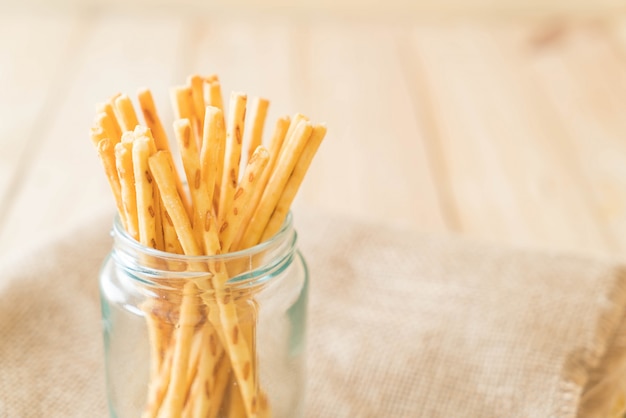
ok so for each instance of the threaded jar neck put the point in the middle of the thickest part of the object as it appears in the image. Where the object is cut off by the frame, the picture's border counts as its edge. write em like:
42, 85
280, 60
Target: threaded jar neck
243, 269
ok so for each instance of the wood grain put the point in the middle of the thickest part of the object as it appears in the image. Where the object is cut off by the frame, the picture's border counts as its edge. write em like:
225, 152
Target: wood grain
512, 173
63, 181
509, 131
26, 88
373, 164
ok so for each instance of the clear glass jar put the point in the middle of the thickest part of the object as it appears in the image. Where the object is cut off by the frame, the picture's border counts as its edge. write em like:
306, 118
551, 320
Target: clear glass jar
177, 343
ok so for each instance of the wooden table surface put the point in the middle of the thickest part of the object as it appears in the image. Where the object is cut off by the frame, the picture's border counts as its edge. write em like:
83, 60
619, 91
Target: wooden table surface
506, 130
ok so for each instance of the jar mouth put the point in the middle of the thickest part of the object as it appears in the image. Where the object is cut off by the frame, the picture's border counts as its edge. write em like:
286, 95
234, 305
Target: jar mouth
247, 267
128, 241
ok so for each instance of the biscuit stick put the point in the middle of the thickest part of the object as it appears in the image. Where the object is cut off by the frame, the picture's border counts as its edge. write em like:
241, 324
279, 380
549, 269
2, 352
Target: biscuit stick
213, 97
106, 152
232, 156
124, 164
284, 166
280, 131
161, 165
182, 101
152, 119
237, 348
240, 207
143, 132
221, 380
258, 114
213, 92
294, 182
147, 213
126, 113
97, 133
202, 204
207, 388
158, 387
197, 94
150, 115
162, 168
109, 126
107, 108
213, 138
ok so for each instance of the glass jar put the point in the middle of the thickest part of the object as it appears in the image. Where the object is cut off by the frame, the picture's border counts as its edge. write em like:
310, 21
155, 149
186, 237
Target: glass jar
209, 336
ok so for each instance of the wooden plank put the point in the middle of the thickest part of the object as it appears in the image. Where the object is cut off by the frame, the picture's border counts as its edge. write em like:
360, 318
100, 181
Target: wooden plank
582, 72
511, 175
372, 9
252, 57
65, 182
374, 164
25, 85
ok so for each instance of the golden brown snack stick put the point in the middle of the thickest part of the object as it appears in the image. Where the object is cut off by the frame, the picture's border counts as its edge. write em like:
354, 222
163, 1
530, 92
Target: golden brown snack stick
265, 409
170, 238
239, 352
158, 387
124, 164
150, 115
203, 389
107, 108
226, 323
182, 101
221, 380
295, 121
213, 139
232, 154
152, 119
248, 316
197, 94
162, 168
236, 407
202, 203
258, 115
157, 334
284, 166
161, 165
96, 133
198, 346
109, 126
175, 396
294, 182
240, 207
147, 209
280, 131
213, 97
213, 93
142, 131
198, 365
106, 152
125, 113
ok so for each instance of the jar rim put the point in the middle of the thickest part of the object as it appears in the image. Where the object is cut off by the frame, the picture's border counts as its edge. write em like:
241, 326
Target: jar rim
118, 231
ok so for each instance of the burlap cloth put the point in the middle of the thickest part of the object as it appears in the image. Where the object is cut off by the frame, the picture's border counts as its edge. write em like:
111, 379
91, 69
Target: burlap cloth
400, 326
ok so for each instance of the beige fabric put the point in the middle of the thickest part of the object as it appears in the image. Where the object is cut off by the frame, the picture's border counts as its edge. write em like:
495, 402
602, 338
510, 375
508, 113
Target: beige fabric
400, 326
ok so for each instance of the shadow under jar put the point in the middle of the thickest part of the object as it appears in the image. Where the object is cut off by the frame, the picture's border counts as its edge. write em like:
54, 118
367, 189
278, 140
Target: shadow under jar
205, 336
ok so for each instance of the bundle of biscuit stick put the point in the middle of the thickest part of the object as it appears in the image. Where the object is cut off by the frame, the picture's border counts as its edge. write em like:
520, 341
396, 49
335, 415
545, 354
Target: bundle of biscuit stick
234, 194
